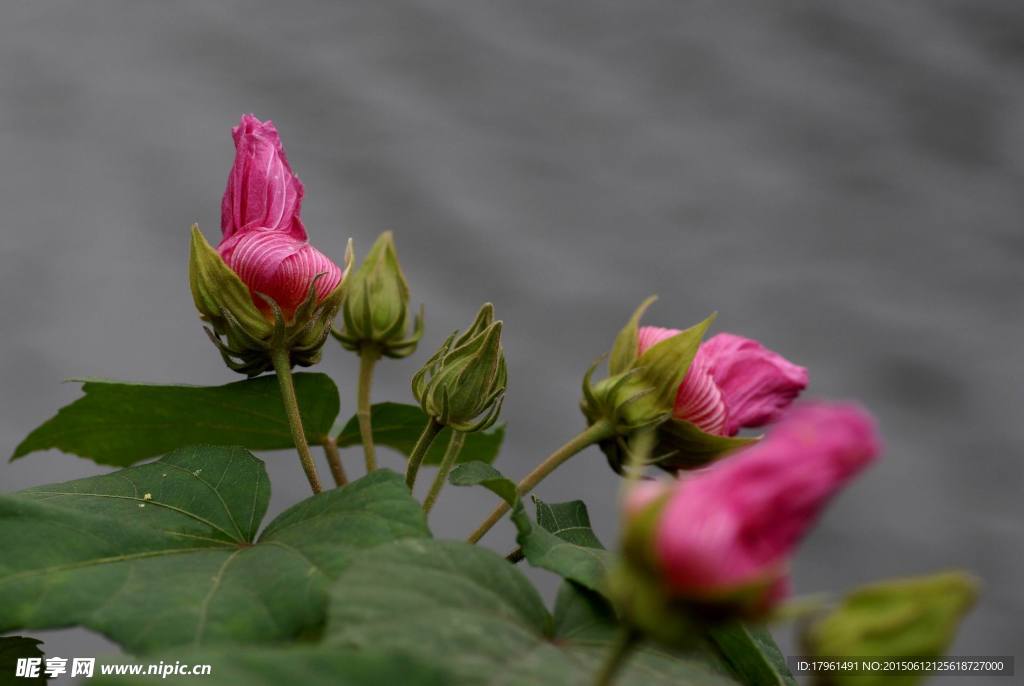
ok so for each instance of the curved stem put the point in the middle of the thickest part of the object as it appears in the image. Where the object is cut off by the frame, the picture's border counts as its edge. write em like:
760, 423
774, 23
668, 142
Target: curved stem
451, 454
334, 460
283, 366
596, 432
368, 356
430, 432
617, 653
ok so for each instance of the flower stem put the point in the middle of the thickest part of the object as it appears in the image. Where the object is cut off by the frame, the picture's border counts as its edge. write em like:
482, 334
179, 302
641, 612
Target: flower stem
283, 366
451, 454
596, 432
368, 356
334, 460
430, 432
618, 651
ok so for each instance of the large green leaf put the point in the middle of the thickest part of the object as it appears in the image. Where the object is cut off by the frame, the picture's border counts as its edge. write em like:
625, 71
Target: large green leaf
753, 654
166, 553
398, 426
306, 665
585, 624
563, 553
468, 608
120, 423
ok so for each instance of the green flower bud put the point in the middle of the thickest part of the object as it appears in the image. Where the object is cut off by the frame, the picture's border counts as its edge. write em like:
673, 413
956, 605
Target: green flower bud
463, 384
375, 308
242, 332
912, 618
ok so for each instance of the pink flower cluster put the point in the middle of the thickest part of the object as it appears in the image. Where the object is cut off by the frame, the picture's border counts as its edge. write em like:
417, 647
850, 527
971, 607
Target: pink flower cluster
265, 242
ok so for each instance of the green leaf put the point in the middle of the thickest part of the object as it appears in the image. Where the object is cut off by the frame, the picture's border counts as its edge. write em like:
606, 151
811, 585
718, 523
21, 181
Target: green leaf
480, 474
166, 553
569, 521
585, 624
398, 426
465, 607
309, 666
14, 648
753, 654
587, 565
120, 424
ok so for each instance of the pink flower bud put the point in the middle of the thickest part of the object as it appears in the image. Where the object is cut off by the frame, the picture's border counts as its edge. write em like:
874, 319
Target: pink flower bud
264, 241
279, 265
729, 530
262, 190
733, 382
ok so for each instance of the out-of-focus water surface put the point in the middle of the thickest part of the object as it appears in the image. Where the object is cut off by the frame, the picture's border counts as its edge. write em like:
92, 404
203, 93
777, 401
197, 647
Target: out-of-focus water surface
843, 182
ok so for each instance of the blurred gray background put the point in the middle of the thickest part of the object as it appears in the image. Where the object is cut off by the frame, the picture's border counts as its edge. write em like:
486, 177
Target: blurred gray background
840, 180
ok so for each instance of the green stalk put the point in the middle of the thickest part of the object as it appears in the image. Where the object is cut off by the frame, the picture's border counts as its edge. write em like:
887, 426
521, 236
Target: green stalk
427, 437
334, 460
618, 651
283, 366
596, 432
451, 454
368, 356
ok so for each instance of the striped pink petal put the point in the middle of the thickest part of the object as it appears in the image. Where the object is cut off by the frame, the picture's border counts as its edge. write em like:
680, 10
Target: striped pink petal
698, 400
280, 266
732, 383
262, 191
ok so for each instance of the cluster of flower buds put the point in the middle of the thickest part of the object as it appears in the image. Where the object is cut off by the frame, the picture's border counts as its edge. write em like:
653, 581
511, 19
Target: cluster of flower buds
265, 287
697, 395
376, 304
716, 543
463, 384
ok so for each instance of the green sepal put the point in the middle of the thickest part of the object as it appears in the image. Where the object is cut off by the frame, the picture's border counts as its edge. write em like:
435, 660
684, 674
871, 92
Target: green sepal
624, 351
216, 289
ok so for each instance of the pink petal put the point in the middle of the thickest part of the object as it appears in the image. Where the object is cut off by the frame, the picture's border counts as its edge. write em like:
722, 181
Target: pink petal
756, 384
262, 191
737, 522
280, 266
649, 336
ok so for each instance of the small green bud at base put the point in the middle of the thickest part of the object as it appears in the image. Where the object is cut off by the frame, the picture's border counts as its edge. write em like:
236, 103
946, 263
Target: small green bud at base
914, 618
375, 307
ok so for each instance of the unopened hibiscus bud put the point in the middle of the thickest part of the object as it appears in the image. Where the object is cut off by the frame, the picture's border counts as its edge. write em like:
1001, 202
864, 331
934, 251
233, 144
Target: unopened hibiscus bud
640, 390
375, 308
900, 618
265, 287
725, 384
463, 384
733, 382
718, 545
